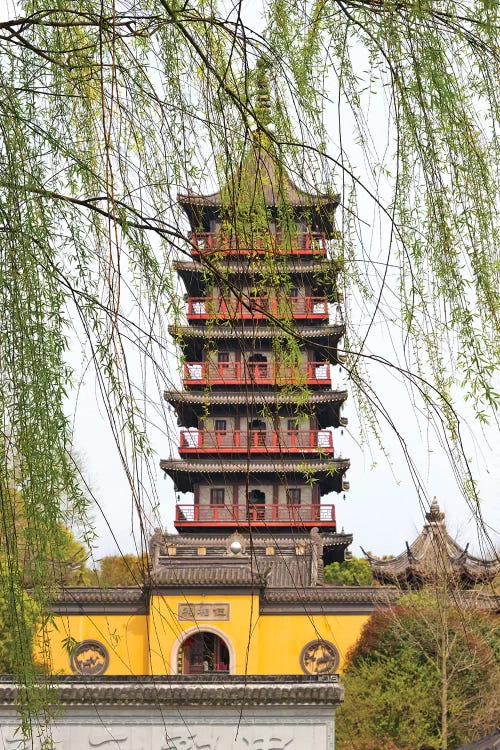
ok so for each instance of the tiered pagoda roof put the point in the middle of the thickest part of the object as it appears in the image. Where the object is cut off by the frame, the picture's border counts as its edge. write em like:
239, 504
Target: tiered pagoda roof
260, 173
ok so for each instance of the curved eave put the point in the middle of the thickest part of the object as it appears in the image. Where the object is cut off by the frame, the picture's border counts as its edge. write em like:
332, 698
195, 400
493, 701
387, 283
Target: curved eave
432, 548
324, 335
326, 472
404, 570
391, 569
190, 405
198, 277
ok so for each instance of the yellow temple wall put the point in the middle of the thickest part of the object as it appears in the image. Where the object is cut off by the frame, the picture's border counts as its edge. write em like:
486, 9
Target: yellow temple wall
282, 638
124, 636
258, 644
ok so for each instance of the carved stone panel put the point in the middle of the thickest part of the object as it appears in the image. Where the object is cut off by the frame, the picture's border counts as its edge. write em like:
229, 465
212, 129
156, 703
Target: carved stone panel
218, 729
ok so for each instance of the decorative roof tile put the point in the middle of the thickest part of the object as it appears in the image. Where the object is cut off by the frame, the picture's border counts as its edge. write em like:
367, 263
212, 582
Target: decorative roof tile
255, 332
250, 266
197, 575
96, 600
258, 396
193, 690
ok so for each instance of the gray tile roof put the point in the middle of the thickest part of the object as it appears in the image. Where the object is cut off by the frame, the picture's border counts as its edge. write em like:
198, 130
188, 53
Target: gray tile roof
193, 690
434, 552
257, 395
333, 332
328, 471
209, 575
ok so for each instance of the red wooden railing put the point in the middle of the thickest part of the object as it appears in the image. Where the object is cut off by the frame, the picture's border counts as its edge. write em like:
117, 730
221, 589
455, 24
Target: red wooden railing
255, 441
262, 373
302, 243
209, 308
263, 514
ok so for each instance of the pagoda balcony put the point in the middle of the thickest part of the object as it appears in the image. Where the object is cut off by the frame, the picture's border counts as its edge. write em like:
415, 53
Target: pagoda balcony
275, 243
266, 516
256, 441
259, 373
257, 308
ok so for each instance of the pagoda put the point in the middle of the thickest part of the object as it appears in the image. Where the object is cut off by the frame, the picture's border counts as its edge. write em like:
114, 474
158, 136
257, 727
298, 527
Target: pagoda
257, 409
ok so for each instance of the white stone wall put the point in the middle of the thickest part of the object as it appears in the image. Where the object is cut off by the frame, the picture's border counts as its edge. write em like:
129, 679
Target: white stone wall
267, 728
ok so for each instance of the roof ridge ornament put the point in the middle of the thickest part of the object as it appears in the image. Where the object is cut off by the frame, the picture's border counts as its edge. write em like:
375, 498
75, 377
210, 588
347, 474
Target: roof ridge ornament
435, 515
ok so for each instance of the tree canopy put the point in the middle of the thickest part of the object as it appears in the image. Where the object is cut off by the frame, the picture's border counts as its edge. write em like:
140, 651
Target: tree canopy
423, 676
353, 572
120, 570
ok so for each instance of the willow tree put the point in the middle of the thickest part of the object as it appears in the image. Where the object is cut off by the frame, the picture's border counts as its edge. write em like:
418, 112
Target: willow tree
109, 108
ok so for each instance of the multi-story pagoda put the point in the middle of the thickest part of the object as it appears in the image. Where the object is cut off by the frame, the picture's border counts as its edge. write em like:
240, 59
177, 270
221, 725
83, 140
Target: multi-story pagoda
257, 408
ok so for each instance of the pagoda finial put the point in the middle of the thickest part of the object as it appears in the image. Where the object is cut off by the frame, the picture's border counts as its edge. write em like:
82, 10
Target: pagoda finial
434, 515
263, 98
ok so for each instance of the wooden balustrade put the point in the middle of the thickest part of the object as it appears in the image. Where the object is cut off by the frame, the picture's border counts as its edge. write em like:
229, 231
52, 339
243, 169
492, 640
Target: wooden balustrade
263, 514
255, 441
261, 373
275, 243
255, 308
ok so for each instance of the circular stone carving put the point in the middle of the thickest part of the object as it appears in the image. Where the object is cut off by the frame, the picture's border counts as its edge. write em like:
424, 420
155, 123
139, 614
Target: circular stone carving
90, 658
319, 657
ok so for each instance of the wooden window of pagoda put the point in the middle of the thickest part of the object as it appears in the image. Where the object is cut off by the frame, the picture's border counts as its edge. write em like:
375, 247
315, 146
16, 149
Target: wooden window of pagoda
217, 495
302, 231
220, 426
257, 501
223, 364
258, 432
294, 495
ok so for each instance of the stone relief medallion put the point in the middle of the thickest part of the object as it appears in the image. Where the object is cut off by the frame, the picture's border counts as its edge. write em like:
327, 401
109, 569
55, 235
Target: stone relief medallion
319, 657
90, 658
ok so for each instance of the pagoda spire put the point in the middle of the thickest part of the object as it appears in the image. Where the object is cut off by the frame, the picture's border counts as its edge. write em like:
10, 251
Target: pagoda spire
263, 93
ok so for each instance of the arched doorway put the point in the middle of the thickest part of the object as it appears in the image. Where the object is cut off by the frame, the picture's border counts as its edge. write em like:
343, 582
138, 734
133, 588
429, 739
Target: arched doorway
202, 652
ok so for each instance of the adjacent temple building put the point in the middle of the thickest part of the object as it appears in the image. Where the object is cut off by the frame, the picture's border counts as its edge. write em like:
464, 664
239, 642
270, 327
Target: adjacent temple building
434, 556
